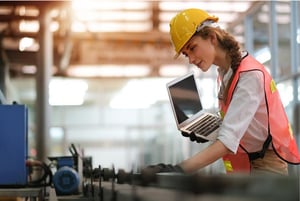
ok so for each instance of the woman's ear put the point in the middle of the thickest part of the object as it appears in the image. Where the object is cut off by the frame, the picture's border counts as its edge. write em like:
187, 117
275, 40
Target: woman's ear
213, 38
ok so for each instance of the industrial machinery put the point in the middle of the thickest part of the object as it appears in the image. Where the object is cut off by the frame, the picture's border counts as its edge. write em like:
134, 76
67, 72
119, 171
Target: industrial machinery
74, 178
67, 179
13, 145
108, 185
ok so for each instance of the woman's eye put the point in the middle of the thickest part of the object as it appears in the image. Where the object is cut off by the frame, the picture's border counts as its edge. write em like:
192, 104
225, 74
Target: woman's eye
192, 48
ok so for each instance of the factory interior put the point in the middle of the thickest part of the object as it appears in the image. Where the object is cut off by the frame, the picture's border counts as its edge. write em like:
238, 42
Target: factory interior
84, 82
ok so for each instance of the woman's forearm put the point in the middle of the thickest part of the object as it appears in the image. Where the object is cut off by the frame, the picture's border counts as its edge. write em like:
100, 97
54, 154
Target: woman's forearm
205, 157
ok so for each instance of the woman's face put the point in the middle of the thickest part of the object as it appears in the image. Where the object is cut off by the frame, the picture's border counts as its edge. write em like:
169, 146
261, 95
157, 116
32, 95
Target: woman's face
200, 52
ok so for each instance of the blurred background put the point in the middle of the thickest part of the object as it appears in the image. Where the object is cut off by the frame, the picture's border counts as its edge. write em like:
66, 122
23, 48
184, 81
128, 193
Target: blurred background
94, 72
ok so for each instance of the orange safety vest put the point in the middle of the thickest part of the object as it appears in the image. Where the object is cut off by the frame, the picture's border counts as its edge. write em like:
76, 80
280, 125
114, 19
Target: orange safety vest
279, 129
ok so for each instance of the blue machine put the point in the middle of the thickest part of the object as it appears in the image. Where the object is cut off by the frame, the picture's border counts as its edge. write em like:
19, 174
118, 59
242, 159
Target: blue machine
13, 145
67, 180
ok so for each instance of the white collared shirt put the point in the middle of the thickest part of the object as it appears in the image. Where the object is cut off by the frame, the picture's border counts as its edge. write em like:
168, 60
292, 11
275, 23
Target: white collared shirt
246, 117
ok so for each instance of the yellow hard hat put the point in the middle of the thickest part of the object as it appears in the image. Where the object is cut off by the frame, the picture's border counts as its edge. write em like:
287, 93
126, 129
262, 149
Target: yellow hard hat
184, 25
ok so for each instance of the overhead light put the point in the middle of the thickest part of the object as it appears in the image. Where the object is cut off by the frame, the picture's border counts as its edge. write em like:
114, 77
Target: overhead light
113, 15
29, 69
28, 44
27, 11
33, 26
109, 70
25, 43
109, 5
233, 6
29, 26
119, 27
63, 91
79, 27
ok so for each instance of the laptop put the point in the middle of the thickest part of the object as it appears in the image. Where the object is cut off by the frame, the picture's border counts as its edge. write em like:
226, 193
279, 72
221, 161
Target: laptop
187, 108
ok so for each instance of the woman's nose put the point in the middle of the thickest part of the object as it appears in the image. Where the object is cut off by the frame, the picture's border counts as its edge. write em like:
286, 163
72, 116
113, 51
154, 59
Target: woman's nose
191, 59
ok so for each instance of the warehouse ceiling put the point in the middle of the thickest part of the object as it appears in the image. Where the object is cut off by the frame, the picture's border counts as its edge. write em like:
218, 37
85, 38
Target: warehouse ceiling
98, 38
95, 41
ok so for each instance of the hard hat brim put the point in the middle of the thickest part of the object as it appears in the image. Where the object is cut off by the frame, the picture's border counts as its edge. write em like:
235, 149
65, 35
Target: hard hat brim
176, 55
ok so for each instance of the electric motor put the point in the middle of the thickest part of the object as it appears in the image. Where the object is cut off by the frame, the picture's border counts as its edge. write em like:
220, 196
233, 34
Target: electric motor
66, 181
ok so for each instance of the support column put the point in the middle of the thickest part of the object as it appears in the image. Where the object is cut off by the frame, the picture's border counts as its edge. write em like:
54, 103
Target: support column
4, 71
248, 23
295, 62
294, 69
45, 63
273, 40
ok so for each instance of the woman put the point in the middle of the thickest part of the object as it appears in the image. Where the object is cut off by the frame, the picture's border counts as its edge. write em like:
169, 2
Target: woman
255, 135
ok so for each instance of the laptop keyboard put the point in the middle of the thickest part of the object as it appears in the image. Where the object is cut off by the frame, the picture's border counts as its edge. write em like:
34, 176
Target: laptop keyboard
206, 125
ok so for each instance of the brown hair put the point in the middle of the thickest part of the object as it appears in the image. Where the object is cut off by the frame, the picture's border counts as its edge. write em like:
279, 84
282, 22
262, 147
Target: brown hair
228, 43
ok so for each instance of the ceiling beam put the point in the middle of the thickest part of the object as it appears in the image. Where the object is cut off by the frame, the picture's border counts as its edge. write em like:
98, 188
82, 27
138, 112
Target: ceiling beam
18, 57
48, 4
255, 6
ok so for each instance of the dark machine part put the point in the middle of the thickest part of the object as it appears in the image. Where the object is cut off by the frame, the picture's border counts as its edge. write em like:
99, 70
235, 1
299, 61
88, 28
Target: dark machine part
173, 186
87, 163
122, 177
109, 177
181, 187
106, 184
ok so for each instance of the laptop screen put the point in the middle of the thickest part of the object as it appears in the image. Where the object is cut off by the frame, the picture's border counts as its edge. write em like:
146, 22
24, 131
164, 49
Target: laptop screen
185, 98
